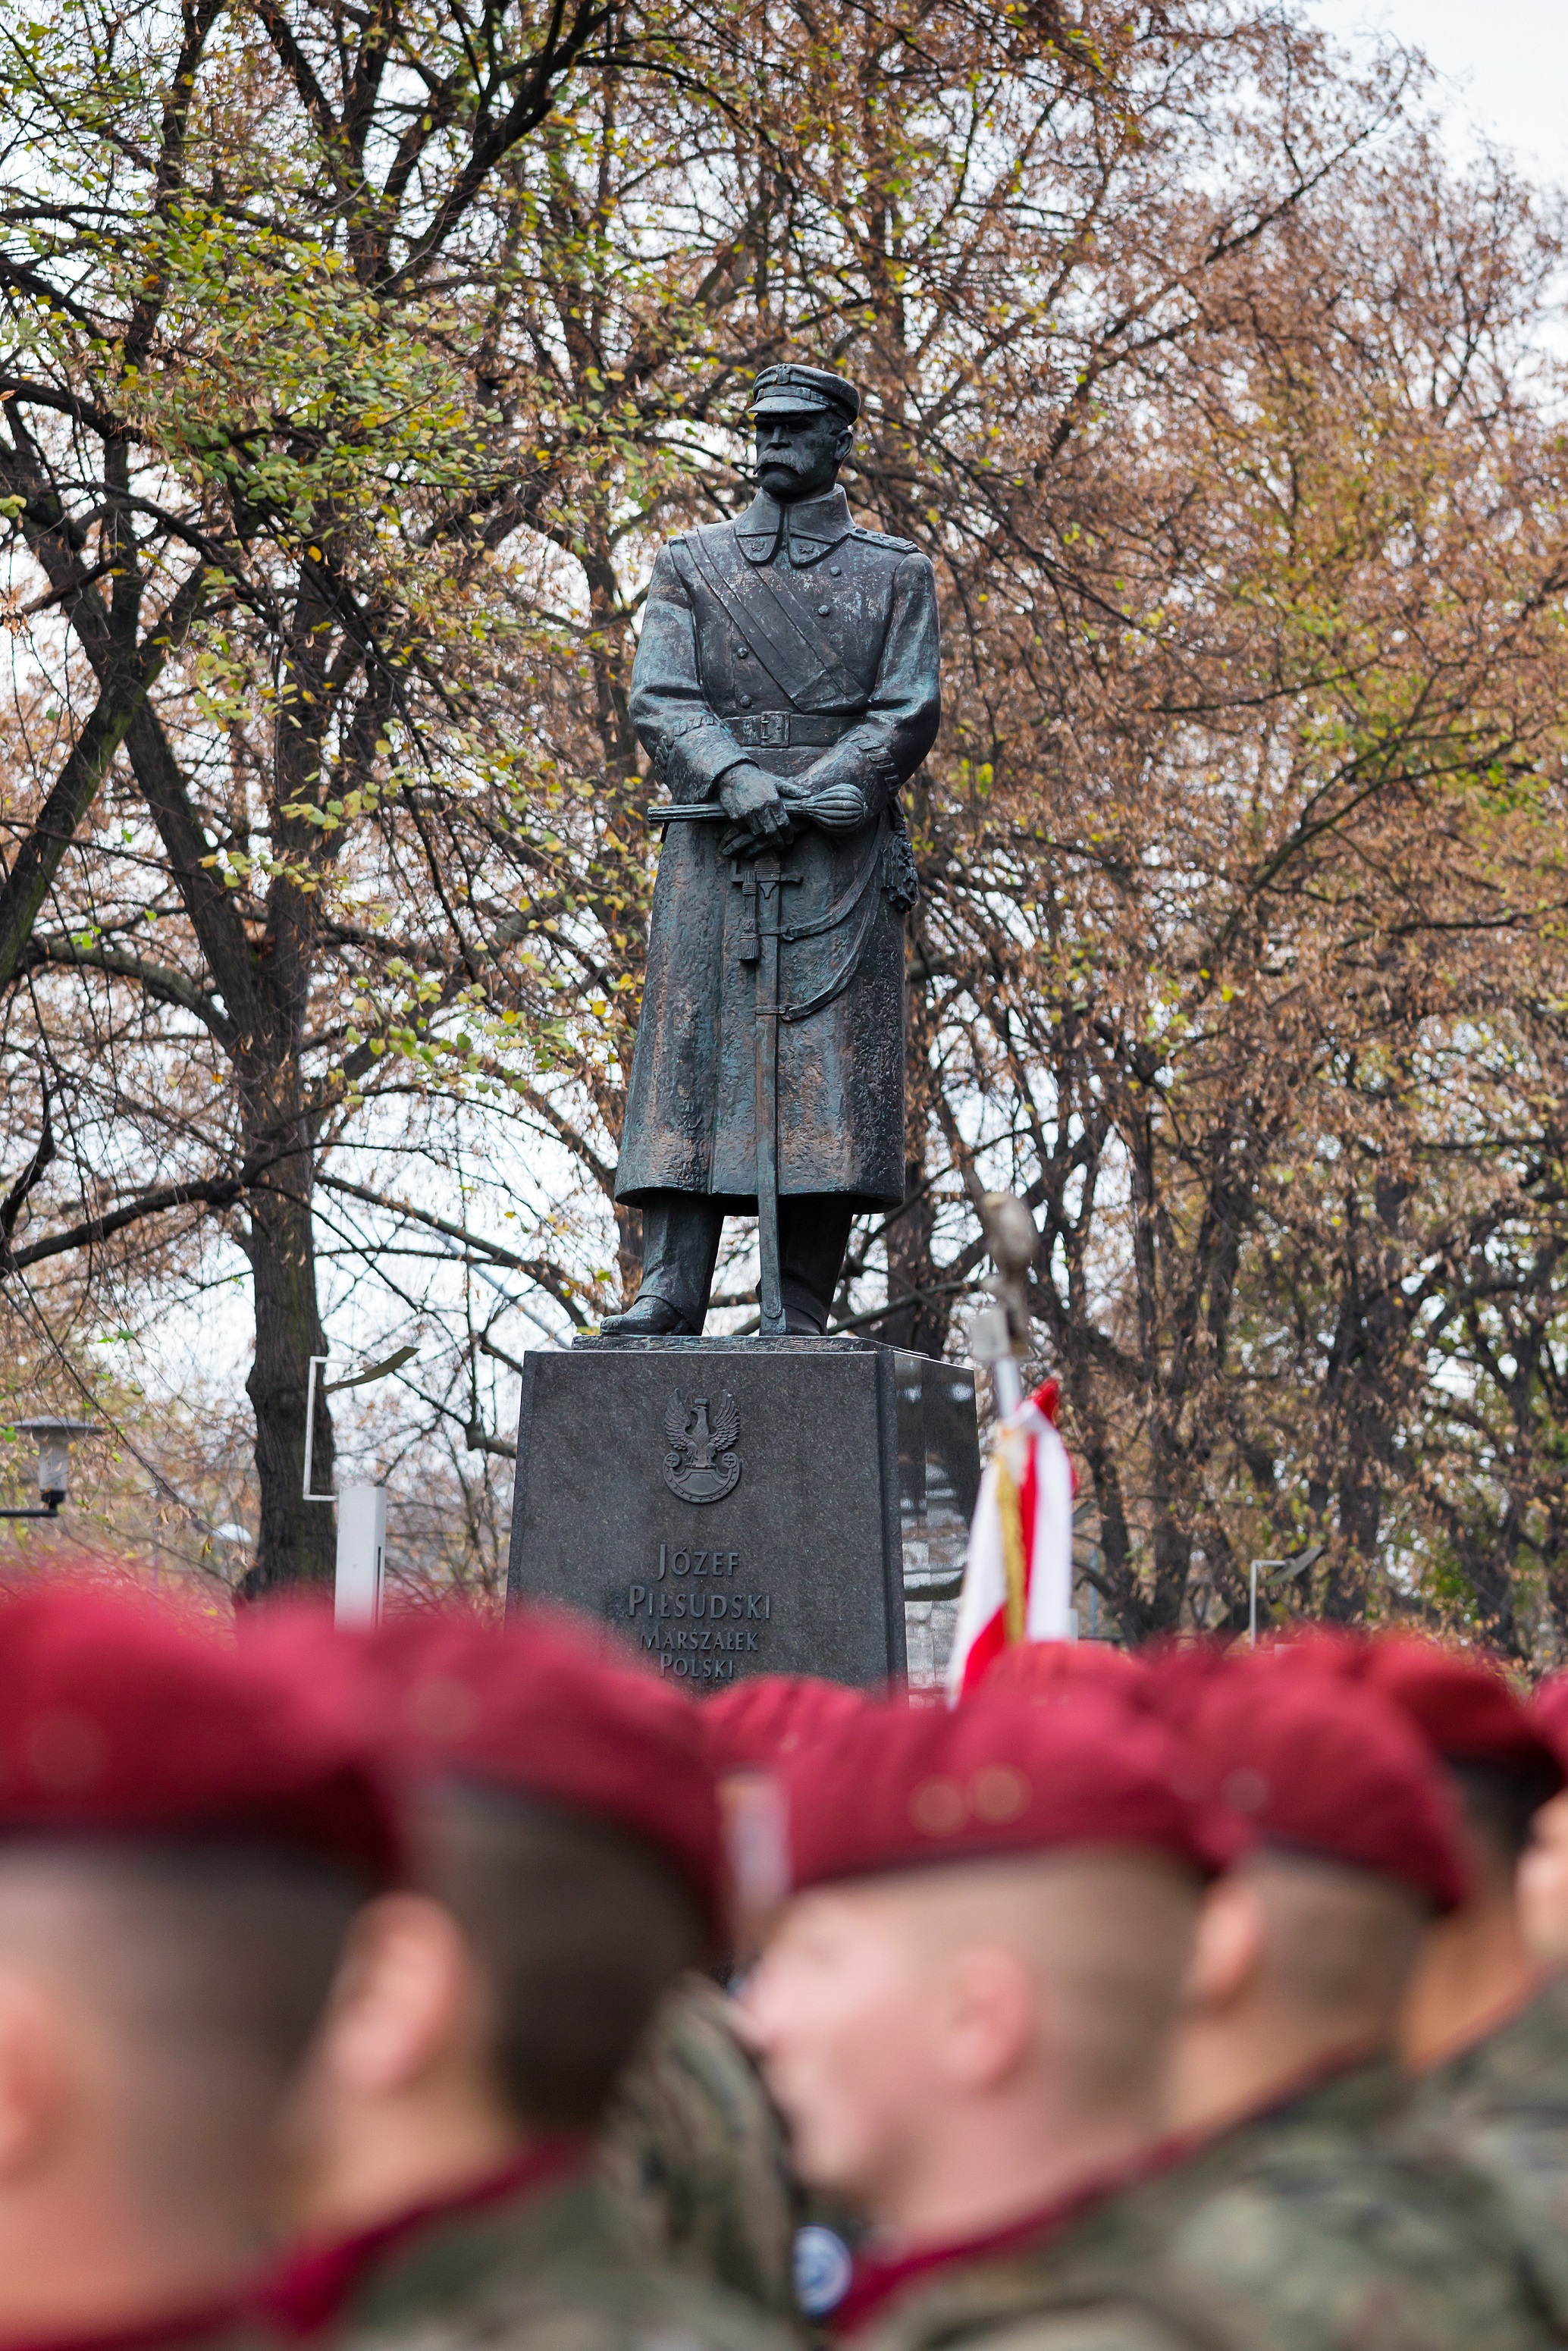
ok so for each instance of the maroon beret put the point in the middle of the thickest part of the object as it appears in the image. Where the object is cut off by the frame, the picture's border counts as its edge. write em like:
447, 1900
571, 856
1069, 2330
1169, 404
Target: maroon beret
897, 1788
543, 1707
1053, 1669
1548, 1712
750, 1724
1461, 1703
1305, 1757
125, 1718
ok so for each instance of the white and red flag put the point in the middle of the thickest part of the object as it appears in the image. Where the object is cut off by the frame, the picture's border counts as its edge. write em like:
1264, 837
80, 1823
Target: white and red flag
1017, 1578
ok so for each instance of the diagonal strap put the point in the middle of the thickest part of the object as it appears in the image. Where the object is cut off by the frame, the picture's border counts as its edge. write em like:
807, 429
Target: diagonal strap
796, 655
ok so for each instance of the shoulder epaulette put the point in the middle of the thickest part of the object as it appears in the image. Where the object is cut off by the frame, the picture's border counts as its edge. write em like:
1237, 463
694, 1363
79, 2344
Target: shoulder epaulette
885, 538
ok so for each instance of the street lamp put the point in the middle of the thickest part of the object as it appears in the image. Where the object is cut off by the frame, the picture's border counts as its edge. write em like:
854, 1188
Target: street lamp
362, 1508
1285, 1571
54, 1439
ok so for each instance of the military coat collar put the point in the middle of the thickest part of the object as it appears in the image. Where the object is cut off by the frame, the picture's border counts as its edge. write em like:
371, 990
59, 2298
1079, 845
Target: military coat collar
810, 528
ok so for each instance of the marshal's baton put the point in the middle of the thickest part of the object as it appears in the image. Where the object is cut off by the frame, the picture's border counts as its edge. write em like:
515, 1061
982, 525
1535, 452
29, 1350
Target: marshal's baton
708, 811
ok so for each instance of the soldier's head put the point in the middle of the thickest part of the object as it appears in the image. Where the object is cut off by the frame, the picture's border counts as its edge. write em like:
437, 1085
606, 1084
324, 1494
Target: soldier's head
185, 1841
968, 1994
804, 419
1306, 1946
1543, 1866
1502, 1768
564, 1860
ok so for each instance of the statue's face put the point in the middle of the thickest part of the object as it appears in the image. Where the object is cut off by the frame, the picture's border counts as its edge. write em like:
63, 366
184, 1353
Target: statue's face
797, 454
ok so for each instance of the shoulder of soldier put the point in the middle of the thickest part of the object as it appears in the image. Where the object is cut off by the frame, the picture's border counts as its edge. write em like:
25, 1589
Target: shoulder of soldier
1115, 2319
722, 529
666, 586
694, 2151
1522, 2065
621, 2302
1100, 2286
1511, 2169
1116, 2323
1305, 2254
690, 2080
884, 539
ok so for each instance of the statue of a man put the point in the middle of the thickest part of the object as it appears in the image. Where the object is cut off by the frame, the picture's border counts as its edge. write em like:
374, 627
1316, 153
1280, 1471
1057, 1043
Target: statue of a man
787, 677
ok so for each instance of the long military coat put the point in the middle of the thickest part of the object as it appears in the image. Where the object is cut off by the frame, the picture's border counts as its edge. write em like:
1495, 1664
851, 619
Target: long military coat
795, 640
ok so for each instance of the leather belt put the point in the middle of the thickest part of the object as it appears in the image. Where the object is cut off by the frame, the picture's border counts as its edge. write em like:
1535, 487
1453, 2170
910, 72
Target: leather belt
789, 730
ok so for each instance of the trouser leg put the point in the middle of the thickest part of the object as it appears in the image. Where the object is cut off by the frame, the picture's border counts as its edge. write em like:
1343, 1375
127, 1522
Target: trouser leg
813, 1234
680, 1249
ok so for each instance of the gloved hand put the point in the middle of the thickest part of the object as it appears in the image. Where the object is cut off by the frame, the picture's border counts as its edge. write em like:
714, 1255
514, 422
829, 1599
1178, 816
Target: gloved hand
761, 820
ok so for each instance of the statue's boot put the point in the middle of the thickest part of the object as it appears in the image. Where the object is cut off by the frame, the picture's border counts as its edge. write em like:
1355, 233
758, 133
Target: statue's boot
649, 1316
680, 1246
813, 1234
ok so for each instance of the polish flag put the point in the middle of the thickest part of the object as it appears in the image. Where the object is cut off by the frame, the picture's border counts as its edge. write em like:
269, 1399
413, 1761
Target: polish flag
1017, 1578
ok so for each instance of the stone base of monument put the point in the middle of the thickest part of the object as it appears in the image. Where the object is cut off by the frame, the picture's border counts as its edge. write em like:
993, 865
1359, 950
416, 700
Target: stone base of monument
743, 1506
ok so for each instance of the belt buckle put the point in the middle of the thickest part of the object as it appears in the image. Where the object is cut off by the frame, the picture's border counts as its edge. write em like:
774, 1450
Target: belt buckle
773, 730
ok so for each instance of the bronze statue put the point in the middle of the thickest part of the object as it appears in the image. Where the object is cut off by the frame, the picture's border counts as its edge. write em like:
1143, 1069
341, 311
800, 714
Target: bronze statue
786, 687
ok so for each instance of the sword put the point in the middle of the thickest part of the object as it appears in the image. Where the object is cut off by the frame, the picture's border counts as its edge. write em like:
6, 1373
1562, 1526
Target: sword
764, 884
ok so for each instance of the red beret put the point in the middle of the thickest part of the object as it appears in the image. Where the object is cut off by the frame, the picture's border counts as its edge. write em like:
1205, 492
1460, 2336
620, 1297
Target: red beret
1333, 1648
1461, 1703
541, 1706
1305, 1757
1548, 1712
897, 1788
751, 1724
1052, 1669
126, 1718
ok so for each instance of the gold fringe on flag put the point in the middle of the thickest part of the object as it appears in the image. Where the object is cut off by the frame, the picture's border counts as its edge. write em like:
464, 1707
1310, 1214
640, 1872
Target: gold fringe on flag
1011, 1515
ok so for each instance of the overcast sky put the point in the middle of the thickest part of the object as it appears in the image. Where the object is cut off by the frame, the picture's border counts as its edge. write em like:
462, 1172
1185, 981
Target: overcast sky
1507, 58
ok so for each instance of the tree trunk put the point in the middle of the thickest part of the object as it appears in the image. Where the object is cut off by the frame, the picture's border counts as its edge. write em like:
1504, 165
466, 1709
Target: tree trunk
298, 1544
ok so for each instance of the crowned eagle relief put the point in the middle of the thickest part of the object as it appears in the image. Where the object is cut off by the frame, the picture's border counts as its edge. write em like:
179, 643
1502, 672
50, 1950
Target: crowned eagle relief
699, 1466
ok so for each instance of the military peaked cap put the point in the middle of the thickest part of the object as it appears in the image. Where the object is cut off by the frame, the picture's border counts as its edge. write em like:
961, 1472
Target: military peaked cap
787, 390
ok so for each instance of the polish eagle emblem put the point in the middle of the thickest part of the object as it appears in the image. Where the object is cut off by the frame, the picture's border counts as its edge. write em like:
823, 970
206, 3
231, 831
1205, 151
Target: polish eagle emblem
699, 1466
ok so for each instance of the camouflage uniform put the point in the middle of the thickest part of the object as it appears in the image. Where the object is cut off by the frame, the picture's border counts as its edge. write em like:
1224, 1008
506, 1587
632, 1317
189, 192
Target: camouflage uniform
1303, 2229
695, 2153
1502, 2105
549, 2268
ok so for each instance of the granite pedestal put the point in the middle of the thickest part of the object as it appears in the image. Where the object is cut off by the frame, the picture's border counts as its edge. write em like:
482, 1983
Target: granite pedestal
747, 1506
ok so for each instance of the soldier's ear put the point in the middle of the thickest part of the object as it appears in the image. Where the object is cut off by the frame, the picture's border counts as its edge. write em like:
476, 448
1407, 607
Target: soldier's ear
1228, 1947
844, 443
39, 2084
